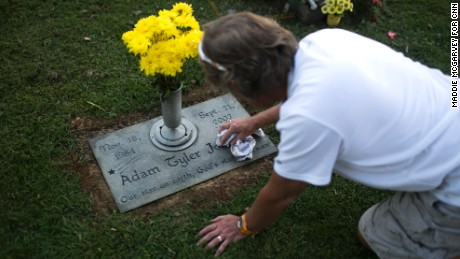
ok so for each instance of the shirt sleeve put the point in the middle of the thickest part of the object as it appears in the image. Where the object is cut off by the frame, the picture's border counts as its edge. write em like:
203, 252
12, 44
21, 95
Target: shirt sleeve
307, 150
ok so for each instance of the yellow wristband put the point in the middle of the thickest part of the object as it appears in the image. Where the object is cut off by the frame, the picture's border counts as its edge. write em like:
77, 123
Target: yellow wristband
243, 226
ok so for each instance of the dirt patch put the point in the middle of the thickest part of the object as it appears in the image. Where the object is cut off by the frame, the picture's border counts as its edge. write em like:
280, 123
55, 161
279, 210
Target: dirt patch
221, 188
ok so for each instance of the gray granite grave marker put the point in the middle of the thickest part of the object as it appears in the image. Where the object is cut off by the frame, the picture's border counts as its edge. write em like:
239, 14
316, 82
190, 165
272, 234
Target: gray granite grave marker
137, 172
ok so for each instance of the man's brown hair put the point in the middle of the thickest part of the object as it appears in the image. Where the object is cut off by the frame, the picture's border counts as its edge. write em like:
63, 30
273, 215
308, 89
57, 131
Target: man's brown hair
257, 52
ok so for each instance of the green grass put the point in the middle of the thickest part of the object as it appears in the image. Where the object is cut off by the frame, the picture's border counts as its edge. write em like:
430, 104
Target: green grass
58, 58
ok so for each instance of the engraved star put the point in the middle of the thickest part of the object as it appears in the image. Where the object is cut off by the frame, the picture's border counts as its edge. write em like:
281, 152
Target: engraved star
111, 171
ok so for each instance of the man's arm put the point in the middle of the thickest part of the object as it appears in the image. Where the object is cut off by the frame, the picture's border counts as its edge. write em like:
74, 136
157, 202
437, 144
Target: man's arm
272, 200
267, 117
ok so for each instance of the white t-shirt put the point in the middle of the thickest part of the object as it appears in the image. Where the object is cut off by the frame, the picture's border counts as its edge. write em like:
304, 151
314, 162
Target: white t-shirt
359, 108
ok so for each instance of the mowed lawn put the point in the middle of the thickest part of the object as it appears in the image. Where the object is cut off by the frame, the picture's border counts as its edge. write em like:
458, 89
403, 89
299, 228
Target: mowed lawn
64, 60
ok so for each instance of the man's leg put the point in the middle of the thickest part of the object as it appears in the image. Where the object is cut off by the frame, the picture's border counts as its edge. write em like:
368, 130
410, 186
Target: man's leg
412, 225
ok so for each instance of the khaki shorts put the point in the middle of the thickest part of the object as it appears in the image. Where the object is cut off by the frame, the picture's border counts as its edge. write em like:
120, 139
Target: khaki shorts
412, 225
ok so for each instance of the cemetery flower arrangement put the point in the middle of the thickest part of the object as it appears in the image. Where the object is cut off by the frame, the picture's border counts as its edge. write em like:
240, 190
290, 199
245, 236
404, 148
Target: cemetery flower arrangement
163, 43
337, 7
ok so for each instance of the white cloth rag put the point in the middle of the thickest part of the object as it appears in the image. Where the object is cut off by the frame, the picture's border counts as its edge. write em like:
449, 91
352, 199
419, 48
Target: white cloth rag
242, 149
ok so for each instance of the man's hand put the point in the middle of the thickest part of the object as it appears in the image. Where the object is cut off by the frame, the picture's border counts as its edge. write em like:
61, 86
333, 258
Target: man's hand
247, 126
244, 127
222, 231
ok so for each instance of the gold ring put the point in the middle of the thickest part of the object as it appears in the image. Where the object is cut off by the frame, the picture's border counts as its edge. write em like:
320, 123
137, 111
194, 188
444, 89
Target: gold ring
220, 238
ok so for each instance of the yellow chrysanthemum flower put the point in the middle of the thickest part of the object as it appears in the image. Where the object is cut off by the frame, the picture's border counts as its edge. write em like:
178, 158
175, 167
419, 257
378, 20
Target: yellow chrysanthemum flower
191, 41
165, 26
186, 21
167, 14
164, 42
145, 25
139, 44
128, 36
148, 65
182, 9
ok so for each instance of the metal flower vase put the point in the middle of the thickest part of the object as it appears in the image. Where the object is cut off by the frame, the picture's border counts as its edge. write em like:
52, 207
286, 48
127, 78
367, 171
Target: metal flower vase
173, 132
171, 109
